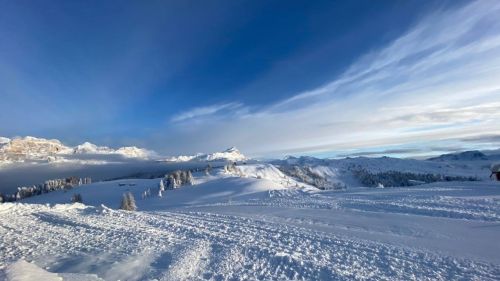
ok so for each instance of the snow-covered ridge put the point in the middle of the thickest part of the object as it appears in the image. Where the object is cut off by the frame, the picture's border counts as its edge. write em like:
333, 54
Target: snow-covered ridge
29, 149
230, 154
462, 156
126, 151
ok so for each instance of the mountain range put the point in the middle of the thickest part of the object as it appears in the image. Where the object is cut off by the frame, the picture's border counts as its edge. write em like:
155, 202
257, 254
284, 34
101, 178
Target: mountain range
39, 150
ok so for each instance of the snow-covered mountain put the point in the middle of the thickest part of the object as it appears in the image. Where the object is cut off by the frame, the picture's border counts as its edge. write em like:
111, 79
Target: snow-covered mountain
40, 150
126, 151
388, 171
230, 154
461, 156
31, 149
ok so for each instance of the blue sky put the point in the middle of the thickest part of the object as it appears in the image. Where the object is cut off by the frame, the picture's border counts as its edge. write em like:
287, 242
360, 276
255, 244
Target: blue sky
321, 78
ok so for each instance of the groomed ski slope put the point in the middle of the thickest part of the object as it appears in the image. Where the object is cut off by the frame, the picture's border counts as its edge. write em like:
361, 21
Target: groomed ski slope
228, 227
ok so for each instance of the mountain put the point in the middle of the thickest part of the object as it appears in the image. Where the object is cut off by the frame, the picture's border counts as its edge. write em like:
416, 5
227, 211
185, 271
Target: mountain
230, 154
31, 149
126, 151
461, 156
40, 150
4, 140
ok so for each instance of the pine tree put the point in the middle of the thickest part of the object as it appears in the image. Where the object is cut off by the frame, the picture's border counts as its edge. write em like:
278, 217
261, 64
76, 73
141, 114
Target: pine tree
208, 169
128, 202
189, 178
170, 182
77, 198
162, 186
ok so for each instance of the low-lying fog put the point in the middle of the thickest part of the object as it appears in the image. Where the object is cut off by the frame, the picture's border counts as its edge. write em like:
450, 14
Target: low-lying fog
28, 174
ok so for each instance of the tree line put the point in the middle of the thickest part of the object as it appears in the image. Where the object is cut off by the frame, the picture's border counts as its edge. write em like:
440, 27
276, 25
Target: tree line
46, 187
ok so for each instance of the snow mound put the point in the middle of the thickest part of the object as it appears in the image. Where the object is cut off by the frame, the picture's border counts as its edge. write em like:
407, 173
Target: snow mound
218, 188
25, 271
269, 172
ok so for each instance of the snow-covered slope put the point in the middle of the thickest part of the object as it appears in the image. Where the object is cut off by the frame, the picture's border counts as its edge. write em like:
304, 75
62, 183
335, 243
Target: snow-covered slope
230, 154
253, 180
348, 170
232, 228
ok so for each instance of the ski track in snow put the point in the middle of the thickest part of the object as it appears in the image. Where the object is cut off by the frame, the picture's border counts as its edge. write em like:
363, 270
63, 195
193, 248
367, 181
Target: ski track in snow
185, 244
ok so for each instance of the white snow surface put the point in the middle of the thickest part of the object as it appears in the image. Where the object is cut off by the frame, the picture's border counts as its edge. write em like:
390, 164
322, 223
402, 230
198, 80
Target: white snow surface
4, 140
254, 224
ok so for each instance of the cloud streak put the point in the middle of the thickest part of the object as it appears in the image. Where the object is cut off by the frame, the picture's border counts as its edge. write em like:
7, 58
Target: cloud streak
207, 111
438, 81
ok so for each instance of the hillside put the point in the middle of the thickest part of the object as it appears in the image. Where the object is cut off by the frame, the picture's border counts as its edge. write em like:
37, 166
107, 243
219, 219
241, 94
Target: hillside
249, 223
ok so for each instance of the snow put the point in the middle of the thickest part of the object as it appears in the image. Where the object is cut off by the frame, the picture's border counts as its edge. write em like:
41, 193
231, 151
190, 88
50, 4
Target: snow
25, 271
495, 167
210, 189
128, 151
342, 170
251, 224
4, 140
22, 271
231, 154
32, 149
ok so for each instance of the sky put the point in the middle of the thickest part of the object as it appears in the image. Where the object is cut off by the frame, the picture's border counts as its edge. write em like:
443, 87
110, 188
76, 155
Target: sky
273, 78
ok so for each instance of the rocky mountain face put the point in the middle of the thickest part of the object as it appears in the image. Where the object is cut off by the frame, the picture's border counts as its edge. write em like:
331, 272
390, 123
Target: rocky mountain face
40, 150
31, 149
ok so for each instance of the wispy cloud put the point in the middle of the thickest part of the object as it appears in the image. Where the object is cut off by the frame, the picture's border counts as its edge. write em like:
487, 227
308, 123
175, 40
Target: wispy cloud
437, 81
207, 111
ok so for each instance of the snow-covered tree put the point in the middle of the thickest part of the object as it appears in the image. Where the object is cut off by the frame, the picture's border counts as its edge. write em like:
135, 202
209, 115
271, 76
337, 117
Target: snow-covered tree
76, 198
161, 185
170, 182
189, 178
128, 202
161, 188
208, 169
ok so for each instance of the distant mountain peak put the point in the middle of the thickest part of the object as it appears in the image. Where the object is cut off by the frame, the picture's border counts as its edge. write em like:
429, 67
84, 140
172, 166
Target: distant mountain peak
230, 154
232, 149
464, 156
